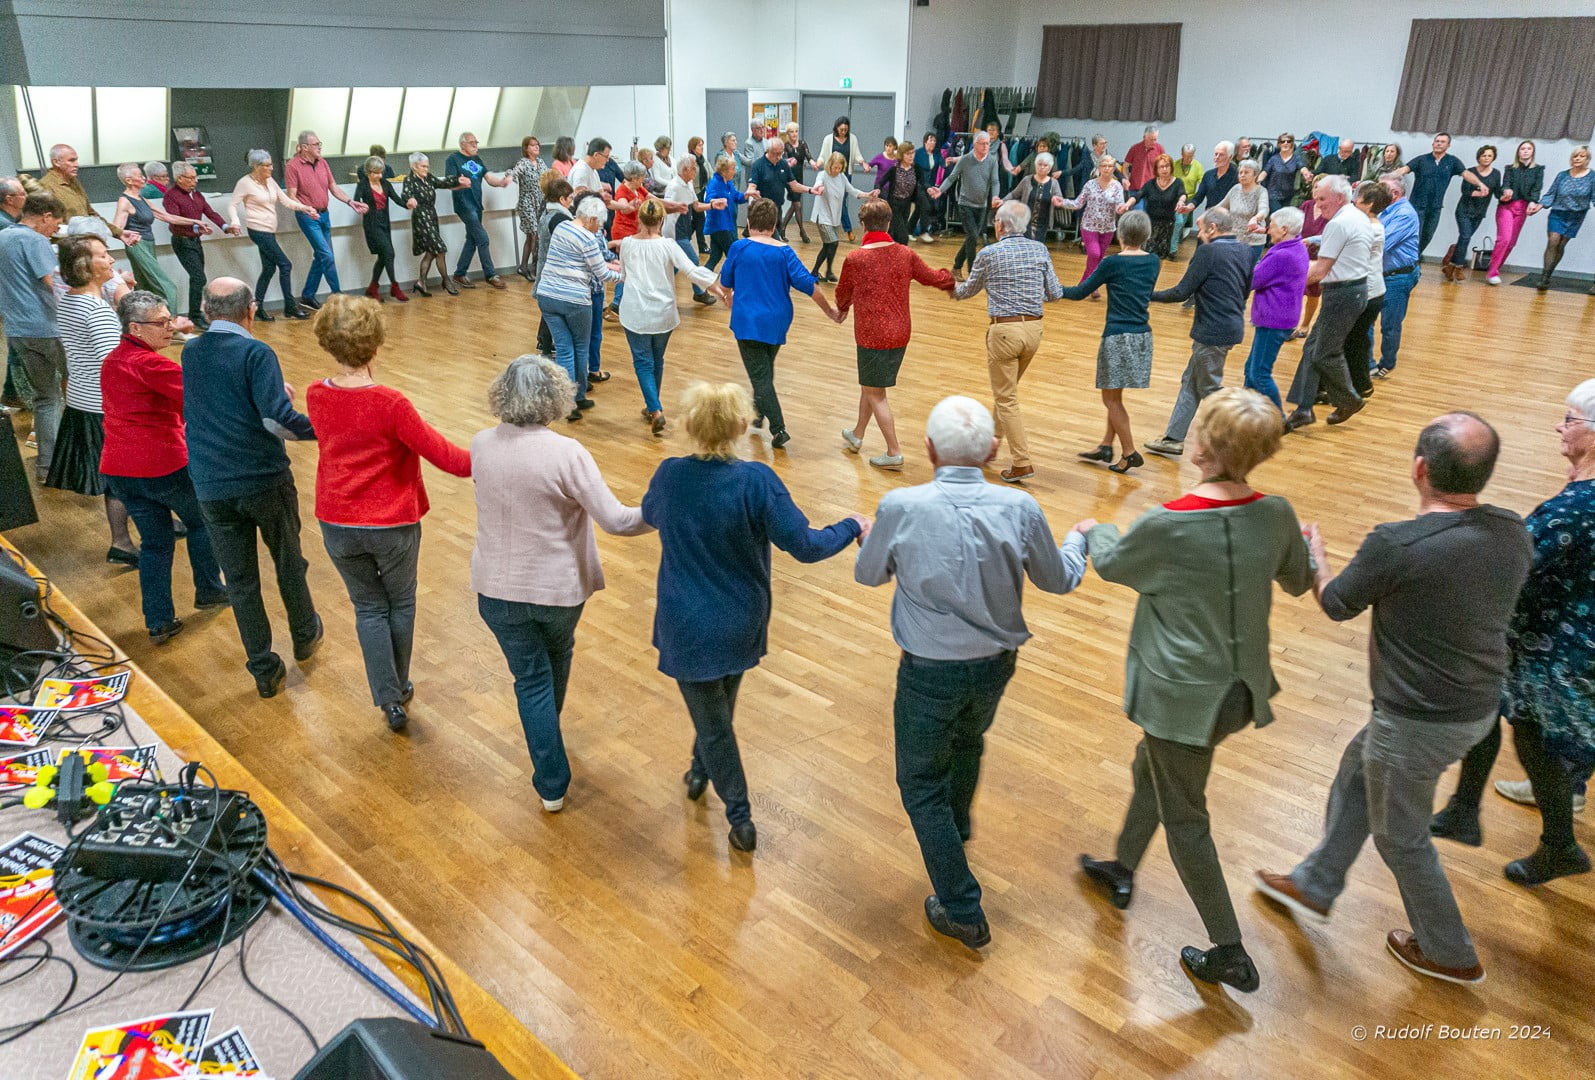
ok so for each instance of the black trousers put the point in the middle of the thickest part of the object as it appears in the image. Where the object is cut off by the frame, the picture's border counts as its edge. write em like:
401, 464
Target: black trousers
758, 358
1428, 223
712, 706
381, 245
1552, 778
191, 254
1359, 345
235, 524
1324, 356
975, 219
901, 208
719, 244
697, 231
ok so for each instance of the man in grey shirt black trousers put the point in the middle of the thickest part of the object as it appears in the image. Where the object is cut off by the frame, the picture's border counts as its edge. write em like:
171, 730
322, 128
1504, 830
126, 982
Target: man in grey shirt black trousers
976, 176
960, 549
1442, 587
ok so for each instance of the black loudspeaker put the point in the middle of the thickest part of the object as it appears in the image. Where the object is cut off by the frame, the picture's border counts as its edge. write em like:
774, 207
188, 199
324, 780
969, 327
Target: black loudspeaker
24, 627
16, 498
393, 1049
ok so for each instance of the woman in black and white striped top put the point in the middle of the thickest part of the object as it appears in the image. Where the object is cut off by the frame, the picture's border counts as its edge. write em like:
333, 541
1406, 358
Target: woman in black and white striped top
89, 331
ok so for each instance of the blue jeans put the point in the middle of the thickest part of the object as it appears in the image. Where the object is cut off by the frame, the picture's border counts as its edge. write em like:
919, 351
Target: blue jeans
475, 242
537, 641
318, 230
1266, 342
940, 715
151, 502
692, 255
272, 262
595, 340
1467, 225
1428, 224
1180, 222
571, 326
648, 360
1398, 289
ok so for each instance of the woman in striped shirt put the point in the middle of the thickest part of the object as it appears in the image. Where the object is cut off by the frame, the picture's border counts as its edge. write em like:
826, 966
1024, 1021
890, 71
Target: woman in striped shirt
89, 331
575, 268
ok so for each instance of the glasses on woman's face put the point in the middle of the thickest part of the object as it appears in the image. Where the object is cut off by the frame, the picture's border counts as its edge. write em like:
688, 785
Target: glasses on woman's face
163, 324
1569, 420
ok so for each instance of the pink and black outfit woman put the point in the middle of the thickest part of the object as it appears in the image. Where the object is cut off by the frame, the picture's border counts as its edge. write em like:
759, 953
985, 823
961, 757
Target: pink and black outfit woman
1520, 197
1101, 200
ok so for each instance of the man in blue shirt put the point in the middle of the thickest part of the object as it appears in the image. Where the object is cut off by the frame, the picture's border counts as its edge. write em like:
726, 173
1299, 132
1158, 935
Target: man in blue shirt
238, 410
772, 178
960, 549
1432, 174
27, 304
1402, 246
468, 204
12, 196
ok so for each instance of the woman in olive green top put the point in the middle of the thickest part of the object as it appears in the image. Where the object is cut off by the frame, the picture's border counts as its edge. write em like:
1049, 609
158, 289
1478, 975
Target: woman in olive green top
1198, 666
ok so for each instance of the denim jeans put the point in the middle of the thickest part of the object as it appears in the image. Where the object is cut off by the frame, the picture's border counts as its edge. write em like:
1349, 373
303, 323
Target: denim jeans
648, 360
1204, 375
1467, 225
272, 262
692, 257
570, 323
1385, 787
537, 641
378, 568
939, 717
1428, 224
595, 334
1398, 290
712, 706
1266, 342
43, 364
318, 230
151, 502
271, 515
475, 242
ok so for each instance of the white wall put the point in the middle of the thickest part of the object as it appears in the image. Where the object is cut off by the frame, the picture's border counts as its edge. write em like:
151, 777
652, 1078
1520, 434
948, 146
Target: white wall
958, 44
1259, 67
806, 44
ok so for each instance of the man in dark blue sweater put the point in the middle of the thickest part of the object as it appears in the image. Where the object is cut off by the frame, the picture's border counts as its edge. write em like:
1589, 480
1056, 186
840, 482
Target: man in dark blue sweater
1219, 277
238, 411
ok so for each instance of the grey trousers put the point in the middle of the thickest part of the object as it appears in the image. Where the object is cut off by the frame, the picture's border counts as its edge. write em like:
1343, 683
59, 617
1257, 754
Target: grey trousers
1323, 357
44, 363
1203, 376
378, 567
1171, 789
1385, 787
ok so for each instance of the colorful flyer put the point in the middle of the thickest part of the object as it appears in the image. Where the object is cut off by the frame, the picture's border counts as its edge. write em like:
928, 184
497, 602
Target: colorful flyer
157, 1046
22, 725
71, 695
21, 770
229, 1055
27, 897
121, 762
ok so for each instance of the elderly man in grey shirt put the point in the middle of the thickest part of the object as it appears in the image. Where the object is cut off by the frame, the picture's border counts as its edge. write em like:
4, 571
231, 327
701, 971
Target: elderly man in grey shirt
960, 549
976, 176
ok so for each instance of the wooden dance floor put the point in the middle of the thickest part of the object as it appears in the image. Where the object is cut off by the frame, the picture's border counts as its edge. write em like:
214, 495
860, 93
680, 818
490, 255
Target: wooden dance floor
626, 935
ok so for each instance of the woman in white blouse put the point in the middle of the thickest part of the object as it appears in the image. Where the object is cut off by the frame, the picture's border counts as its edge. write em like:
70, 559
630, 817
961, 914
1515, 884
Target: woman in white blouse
259, 196
830, 191
89, 331
648, 313
1247, 203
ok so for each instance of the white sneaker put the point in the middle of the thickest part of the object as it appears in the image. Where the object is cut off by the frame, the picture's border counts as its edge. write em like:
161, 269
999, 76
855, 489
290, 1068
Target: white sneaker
853, 441
1519, 791
887, 461
554, 806
1494, 280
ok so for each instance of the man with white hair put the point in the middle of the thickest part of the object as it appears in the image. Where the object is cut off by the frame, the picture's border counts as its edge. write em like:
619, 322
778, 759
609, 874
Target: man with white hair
1188, 171
976, 177
184, 199
1018, 277
468, 205
157, 180
771, 177
61, 180
1344, 264
960, 550
308, 178
1141, 157
1403, 229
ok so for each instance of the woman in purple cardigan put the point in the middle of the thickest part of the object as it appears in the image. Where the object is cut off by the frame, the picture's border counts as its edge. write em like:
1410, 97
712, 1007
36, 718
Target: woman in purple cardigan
1278, 284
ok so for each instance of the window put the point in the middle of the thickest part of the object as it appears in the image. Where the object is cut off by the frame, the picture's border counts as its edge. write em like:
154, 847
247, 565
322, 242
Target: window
322, 109
131, 124
67, 116
517, 112
373, 118
424, 123
474, 110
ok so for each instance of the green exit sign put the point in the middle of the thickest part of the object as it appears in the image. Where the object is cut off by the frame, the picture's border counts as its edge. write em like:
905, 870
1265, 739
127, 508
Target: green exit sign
847, 84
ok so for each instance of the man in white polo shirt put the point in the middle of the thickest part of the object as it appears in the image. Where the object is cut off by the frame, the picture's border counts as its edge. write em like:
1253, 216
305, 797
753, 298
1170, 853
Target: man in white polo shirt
1344, 263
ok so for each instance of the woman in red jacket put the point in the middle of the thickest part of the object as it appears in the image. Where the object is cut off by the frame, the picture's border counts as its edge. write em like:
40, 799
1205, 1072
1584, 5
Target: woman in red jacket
369, 495
875, 279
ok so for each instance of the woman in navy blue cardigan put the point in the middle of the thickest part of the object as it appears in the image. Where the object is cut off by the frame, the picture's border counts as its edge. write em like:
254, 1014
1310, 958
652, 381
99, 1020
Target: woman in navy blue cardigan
717, 516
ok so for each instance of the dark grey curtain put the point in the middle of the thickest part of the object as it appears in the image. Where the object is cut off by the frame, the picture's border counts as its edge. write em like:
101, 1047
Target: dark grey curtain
1119, 71
1528, 78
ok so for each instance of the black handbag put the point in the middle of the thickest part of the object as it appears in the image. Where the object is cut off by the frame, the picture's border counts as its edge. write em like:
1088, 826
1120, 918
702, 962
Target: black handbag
1483, 254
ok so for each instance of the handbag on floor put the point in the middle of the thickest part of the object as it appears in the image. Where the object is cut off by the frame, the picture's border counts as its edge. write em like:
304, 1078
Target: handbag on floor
1483, 254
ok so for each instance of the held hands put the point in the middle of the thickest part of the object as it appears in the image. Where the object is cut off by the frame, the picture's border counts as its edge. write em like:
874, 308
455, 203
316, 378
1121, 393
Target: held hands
717, 204
934, 192
1085, 525
182, 324
1057, 200
288, 388
1123, 208
233, 230
129, 238
128, 279
357, 206
409, 204
995, 202
1182, 207
1315, 544
1506, 194
837, 317
864, 525
202, 228
1535, 208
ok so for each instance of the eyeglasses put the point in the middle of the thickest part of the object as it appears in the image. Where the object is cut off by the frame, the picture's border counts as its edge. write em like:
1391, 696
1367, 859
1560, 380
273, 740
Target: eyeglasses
1571, 419
164, 324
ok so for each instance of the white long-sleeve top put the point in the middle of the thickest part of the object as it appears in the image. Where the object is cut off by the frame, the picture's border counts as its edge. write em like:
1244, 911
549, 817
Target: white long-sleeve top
260, 204
650, 263
828, 206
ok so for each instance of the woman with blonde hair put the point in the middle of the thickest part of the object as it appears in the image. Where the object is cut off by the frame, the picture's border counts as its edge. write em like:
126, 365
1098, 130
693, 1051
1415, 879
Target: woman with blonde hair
1198, 668
369, 496
830, 191
535, 563
717, 517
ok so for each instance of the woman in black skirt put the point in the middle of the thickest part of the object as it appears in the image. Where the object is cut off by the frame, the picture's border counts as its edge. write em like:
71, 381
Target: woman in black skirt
89, 331
420, 194
376, 191
1158, 199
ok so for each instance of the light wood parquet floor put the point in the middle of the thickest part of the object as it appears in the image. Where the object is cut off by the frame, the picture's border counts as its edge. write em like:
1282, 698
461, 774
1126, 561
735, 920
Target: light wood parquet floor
627, 936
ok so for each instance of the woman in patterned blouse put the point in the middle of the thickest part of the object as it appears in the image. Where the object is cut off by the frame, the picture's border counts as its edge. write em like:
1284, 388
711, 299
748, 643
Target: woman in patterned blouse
1550, 687
528, 172
1102, 199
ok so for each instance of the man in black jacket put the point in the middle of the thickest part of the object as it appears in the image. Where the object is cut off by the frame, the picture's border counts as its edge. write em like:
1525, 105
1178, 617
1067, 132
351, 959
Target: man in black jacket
1219, 277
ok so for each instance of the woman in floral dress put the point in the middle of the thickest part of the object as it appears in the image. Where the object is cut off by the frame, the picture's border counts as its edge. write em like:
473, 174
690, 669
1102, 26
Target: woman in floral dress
528, 172
426, 236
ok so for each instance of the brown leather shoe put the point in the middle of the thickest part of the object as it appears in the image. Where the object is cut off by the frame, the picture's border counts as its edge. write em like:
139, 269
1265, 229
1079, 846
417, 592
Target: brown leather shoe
1283, 890
1016, 475
1404, 947
496, 281
464, 282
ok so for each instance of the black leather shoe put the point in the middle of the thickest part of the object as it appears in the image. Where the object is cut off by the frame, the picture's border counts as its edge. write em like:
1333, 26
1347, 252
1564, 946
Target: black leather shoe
575, 414
262, 315
211, 600
1130, 461
974, 935
1547, 864
1459, 823
585, 403
295, 312
1346, 412
594, 377
409, 692
268, 684
305, 650
162, 634
697, 784
779, 439
1112, 875
1299, 419
397, 717
1101, 453
1227, 964
310, 302
744, 837
122, 556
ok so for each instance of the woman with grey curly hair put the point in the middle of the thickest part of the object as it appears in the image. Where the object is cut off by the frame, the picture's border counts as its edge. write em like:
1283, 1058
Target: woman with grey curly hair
535, 562
376, 192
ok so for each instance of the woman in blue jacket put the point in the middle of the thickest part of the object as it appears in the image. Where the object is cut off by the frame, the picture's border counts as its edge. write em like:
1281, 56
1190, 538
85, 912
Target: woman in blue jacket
722, 195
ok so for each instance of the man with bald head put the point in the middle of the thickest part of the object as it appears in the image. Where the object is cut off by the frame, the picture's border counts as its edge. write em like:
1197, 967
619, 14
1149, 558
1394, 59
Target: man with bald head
1442, 587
